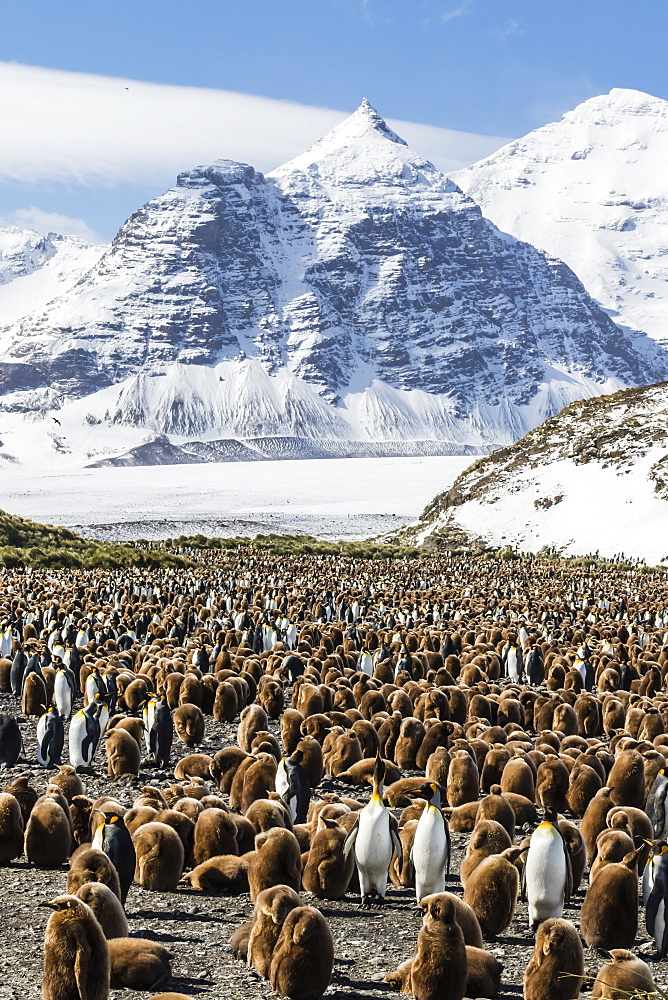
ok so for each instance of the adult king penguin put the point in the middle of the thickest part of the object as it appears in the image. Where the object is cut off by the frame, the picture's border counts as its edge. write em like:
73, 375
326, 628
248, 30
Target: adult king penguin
84, 736
10, 740
148, 715
50, 738
655, 806
655, 895
64, 691
293, 786
374, 838
161, 734
113, 837
547, 878
430, 853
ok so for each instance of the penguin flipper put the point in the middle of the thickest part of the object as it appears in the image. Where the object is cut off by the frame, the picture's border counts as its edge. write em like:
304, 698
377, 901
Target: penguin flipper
568, 887
396, 843
351, 838
82, 967
652, 907
523, 887
44, 747
448, 841
664, 939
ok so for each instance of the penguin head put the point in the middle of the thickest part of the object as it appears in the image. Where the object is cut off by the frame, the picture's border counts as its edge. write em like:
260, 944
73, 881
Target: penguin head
378, 776
429, 791
657, 847
61, 903
550, 815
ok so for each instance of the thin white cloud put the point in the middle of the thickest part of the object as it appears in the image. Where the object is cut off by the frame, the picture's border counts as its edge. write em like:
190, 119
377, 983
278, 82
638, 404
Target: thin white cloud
62, 127
51, 222
510, 29
452, 13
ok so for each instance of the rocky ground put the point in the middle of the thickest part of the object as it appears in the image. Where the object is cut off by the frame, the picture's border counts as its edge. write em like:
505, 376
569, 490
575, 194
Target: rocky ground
197, 927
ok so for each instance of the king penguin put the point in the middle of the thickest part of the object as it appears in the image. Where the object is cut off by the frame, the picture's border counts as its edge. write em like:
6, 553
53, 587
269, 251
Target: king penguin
10, 740
148, 715
373, 837
655, 896
162, 734
64, 691
84, 736
293, 786
50, 738
547, 879
655, 806
101, 704
113, 837
430, 853
365, 663
17, 670
94, 685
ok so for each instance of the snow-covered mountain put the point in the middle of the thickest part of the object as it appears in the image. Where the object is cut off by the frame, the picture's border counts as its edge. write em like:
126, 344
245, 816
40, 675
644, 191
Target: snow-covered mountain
592, 479
35, 269
592, 189
354, 294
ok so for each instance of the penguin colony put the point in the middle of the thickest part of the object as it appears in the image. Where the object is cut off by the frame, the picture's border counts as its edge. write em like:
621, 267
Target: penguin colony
300, 731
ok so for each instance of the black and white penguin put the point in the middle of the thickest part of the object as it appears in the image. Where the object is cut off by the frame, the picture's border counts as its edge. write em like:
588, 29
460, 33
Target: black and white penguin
16, 672
430, 852
112, 690
95, 685
148, 716
655, 805
64, 691
50, 738
547, 878
161, 734
10, 740
374, 838
294, 666
113, 837
512, 659
84, 736
293, 786
533, 665
655, 896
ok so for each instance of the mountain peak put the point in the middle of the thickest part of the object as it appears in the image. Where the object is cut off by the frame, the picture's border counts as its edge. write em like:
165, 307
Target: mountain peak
620, 103
364, 118
362, 149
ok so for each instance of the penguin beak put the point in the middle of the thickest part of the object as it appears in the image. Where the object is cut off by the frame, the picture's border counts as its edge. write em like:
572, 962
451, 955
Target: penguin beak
49, 906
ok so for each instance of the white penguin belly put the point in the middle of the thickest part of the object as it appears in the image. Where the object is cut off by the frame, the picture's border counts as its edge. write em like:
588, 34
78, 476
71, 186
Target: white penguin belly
545, 876
659, 925
77, 735
373, 849
62, 695
429, 854
281, 783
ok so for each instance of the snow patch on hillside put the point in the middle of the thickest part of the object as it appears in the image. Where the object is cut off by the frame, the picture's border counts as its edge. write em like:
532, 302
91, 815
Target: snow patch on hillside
576, 509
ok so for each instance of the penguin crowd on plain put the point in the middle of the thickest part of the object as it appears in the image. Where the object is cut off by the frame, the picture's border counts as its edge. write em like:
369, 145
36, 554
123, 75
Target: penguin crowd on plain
373, 710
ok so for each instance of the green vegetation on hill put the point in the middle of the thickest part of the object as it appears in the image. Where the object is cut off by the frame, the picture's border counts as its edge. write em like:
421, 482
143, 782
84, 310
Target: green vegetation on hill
298, 545
26, 543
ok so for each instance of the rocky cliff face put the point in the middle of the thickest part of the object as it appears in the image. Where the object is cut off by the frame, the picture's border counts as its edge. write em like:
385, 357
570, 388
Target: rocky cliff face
592, 189
355, 293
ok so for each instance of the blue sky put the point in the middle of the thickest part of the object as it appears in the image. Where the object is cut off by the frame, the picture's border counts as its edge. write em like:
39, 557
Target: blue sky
492, 67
